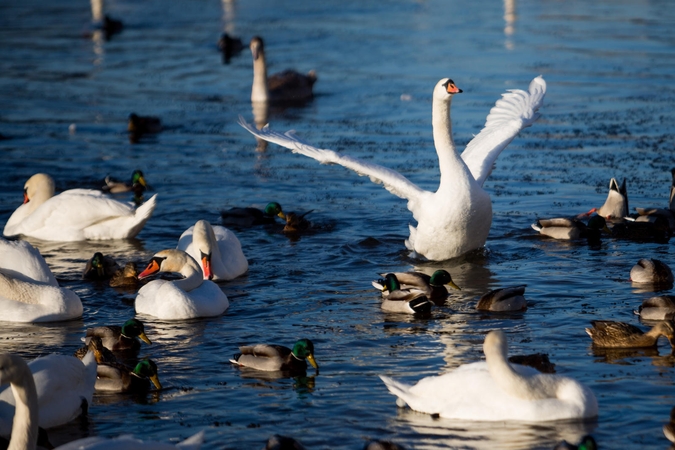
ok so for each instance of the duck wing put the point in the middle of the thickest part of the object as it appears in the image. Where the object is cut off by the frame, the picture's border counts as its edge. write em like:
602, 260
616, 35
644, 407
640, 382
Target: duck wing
393, 181
517, 109
265, 350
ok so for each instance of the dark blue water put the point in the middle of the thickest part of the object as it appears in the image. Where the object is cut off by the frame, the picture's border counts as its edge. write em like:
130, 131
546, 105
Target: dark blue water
609, 112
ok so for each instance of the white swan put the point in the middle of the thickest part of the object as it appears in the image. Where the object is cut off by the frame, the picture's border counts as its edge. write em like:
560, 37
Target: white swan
188, 298
496, 390
63, 385
14, 370
74, 215
457, 217
28, 290
217, 248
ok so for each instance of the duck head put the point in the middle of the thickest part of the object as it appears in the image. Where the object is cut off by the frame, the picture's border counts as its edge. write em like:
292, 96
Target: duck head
274, 209
148, 369
304, 349
442, 278
134, 328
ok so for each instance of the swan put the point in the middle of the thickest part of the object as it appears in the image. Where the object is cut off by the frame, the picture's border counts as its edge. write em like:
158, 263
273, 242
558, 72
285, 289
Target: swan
217, 248
273, 358
434, 286
495, 390
188, 298
457, 217
286, 86
24, 430
648, 270
64, 387
74, 215
504, 299
28, 290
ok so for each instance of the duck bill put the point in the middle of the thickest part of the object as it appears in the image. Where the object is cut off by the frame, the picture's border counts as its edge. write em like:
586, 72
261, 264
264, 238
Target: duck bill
282, 215
141, 181
454, 286
100, 271
144, 338
312, 361
206, 266
153, 267
155, 381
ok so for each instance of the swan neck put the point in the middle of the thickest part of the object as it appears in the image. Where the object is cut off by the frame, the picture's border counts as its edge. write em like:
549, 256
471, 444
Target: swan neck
448, 159
193, 274
25, 426
260, 90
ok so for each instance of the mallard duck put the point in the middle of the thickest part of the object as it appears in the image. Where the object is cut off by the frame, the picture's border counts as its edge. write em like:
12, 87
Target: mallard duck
652, 271
669, 428
653, 229
144, 124
137, 185
115, 377
495, 390
188, 298
74, 215
616, 205
100, 267
504, 299
246, 217
102, 354
296, 223
587, 443
666, 213
434, 286
610, 334
538, 361
216, 248
571, 228
30, 410
277, 357
286, 86
457, 217
395, 299
657, 308
278, 442
121, 339
382, 445
229, 46
125, 277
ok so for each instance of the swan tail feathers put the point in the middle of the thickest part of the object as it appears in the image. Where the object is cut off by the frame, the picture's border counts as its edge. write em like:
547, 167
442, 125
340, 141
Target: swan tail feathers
142, 215
194, 442
400, 390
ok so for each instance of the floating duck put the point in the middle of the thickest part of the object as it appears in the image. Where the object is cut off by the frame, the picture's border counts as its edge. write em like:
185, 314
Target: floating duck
140, 125
571, 228
100, 267
296, 223
217, 248
654, 271
115, 377
286, 86
496, 390
610, 334
666, 213
434, 286
74, 215
127, 277
277, 357
657, 308
278, 442
616, 205
646, 229
188, 298
457, 217
504, 299
229, 46
246, 217
121, 339
395, 299
587, 443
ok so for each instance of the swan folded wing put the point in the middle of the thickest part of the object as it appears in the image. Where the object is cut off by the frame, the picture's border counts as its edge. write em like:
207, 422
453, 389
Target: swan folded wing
393, 181
516, 110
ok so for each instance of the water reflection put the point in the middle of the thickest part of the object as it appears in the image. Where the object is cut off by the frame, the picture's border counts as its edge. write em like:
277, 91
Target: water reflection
33, 340
621, 355
302, 384
510, 22
261, 111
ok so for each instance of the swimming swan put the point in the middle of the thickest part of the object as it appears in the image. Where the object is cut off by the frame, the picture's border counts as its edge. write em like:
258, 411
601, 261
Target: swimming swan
14, 370
217, 248
28, 290
496, 390
63, 384
74, 215
457, 217
188, 298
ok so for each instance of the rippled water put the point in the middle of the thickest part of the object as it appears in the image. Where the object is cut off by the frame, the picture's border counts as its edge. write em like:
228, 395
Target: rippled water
608, 113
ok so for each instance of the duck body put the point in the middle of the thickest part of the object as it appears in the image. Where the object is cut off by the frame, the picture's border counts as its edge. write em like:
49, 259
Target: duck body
189, 298
229, 46
504, 299
669, 428
657, 308
75, 215
278, 442
643, 229
496, 390
296, 223
616, 204
285, 87
610, 334
144, 124
651, 271
433, 286
126, 277
271, 358
246, 217
120, 339
571, 228
115, 377
28, 290
397, 299
217, 248
667, 213
63, 383
457, 217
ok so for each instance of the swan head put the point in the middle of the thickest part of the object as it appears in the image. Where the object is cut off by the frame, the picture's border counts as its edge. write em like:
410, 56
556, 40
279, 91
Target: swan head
12, 368
38, 187
445, 89
304, 349
495, 342
148, 369
257, 47
170, 260
204, 240
442, 278
274, 209
134, 328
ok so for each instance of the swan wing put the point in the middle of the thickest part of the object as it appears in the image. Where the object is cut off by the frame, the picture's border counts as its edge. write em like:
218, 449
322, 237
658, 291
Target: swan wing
20, 259
393, 181
517, 109
127, 442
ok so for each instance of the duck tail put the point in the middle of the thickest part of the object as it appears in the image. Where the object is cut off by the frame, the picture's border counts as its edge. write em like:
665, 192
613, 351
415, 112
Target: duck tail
421, 305
536, 226
235, 358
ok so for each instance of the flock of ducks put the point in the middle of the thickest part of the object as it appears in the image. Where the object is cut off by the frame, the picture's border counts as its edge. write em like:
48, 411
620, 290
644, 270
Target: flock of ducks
451, 221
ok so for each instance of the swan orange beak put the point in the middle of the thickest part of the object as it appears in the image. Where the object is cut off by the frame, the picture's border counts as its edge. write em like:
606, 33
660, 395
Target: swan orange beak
206, 266
25, 197
153, 267
453, 89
